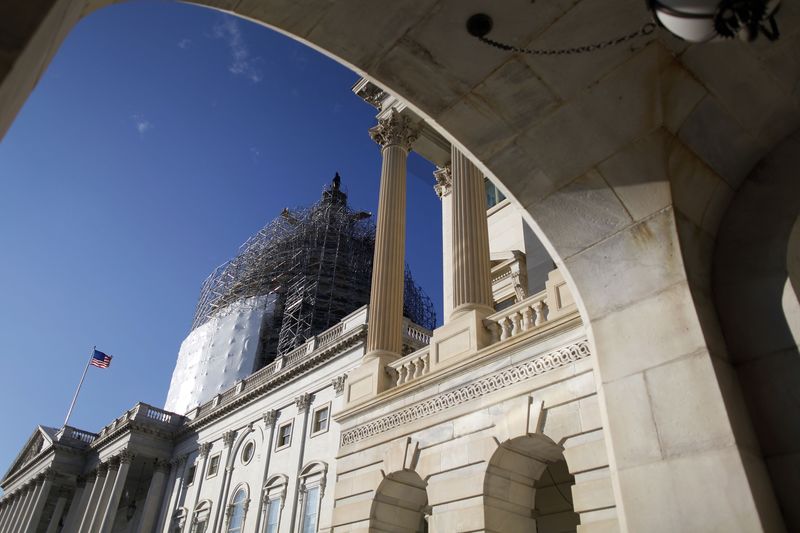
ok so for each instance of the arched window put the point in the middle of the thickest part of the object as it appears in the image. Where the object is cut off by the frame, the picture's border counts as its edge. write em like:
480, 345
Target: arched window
312, 488
274, 498
200, 518
237, 511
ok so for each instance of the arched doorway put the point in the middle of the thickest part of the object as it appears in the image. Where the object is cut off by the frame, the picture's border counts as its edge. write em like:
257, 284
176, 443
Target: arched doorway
528, 488
400, 504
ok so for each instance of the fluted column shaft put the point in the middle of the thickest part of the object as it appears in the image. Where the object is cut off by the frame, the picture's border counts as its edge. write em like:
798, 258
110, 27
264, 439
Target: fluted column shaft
109, 514
80, 500
384, 335
37, 506
19, 519
8, 507
94, 497
13, 508
171, 494
472, 288
55, 518
155, 494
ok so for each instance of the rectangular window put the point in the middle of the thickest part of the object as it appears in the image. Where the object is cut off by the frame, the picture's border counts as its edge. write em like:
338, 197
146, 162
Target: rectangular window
200, 525
284, 436
190, 475
320, 419
273, 514
493, 195
213, 466
310, 510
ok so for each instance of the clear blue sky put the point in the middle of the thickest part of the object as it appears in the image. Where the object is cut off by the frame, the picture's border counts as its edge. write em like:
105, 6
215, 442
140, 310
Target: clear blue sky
161, 137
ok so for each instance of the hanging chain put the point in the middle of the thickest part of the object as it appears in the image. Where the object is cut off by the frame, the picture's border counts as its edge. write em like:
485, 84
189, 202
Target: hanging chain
646, 29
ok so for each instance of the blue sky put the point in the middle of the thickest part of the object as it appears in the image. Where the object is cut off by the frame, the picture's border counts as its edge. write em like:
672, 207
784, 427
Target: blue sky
161, 137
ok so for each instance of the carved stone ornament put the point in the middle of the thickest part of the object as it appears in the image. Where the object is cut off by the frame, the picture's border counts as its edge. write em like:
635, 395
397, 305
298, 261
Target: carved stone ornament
228, 437
372, 94
125, 457
303, 401
102, 469
204, 449
338, 384
444, 180
178, 461
161, 466
269, 417
395, 130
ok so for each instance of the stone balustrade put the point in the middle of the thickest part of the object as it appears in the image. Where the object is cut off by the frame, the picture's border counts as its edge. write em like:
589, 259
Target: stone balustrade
410, 367
529, 314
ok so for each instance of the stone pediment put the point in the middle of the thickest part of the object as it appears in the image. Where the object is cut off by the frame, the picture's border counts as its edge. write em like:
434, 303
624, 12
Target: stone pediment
41, 439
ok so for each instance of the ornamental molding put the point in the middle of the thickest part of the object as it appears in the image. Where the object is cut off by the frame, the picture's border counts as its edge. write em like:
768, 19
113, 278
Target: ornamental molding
471, 391
338, 384
228, 437
269, 417
204, 449
302, 402
444, 180
395, 130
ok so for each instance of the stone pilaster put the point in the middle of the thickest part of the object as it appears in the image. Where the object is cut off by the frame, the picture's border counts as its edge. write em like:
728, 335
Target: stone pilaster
444, 184
395, 134
472, 285
35, 515
269, 417
58, 511
303, 402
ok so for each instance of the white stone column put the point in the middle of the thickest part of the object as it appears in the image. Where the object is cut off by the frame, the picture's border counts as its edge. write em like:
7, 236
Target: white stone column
8, 505
30, 493
178, 466
94, 497
155, 494
472, 285
444, 185
12, 504
80, 499
384, 344
384, 337
41, 498
109, 513
58, 512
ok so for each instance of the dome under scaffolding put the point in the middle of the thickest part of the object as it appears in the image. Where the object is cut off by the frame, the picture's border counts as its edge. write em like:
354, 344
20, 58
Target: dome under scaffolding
318, 262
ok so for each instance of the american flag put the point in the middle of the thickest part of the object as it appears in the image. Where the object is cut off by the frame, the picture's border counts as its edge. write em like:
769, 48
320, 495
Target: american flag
100, 360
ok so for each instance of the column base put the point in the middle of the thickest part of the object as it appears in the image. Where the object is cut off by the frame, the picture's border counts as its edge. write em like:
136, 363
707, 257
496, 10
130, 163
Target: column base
369, 379
461, 337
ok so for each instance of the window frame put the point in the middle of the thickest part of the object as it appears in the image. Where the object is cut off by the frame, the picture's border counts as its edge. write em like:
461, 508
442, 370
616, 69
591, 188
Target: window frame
252, 443
316, 410
190, 469
312, 476
274, 491
218, 457
288, 444
231, 508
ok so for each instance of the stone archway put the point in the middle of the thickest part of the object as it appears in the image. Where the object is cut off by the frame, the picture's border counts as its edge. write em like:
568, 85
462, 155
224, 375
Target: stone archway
527, 488
582, 144
400, 504
755, 287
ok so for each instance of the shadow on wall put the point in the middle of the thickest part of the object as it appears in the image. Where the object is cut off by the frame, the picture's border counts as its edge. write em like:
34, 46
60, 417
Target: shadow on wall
756, 283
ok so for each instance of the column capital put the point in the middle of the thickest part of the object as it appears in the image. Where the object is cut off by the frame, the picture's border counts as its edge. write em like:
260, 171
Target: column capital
204, 449
444, 180
80, 481
302, 402
394, 130
125, 457
113, 463
338, 384
161, 465
269, 417
102, 470
178, 461
228, 438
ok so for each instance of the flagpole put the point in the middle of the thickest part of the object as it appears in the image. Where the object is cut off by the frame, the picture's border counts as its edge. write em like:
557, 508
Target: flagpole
80, 384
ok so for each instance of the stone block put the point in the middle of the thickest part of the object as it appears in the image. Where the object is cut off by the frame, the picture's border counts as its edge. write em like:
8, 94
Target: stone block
357, 483
591, 495
590, 413
687, 406
586, 456
638, 174
562, 422
641, 336
602, 526
630, 421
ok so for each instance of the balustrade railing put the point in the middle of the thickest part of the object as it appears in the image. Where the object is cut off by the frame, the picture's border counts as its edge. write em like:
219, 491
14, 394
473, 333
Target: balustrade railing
416, 333
412, 366
526, 315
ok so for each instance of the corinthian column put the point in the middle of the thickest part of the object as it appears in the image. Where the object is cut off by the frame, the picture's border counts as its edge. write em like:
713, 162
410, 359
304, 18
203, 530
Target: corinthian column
109, 514
472, 289
395, 135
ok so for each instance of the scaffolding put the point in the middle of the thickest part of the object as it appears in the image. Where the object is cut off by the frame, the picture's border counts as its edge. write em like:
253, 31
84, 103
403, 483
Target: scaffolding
318, 260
